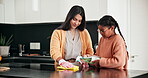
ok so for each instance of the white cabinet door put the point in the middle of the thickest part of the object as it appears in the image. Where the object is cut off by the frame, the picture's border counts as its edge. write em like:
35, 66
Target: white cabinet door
27, 11
7, 11
50, 11
2, 20
32, 10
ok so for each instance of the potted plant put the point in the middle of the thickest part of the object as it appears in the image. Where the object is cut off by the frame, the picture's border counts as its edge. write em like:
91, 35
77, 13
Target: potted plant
5, 45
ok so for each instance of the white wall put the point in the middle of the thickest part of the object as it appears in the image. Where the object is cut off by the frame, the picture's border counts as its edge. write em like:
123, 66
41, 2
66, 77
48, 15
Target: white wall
139, 34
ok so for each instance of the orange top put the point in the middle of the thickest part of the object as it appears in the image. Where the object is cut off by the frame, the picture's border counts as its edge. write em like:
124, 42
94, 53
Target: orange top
0, 58
113, 52
57, 43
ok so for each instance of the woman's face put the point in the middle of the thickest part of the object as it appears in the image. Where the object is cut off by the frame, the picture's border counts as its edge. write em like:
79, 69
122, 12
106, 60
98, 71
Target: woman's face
76, 21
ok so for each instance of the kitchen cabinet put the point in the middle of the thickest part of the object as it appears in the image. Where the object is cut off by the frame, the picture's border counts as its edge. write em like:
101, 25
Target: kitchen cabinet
35, 11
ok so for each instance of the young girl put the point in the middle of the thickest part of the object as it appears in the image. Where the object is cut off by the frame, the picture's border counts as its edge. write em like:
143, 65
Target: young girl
112, 47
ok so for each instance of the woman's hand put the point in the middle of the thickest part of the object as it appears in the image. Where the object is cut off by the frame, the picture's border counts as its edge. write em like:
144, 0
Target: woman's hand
86, 55
65, 64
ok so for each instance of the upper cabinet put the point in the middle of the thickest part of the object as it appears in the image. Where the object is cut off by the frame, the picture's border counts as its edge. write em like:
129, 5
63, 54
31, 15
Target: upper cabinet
7, 11
32, 11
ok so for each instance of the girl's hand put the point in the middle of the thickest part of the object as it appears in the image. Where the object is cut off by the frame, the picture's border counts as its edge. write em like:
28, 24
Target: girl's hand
95, 63
84, 64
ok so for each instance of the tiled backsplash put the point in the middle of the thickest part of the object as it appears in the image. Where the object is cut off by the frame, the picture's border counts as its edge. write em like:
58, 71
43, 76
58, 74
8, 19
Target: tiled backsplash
38, 32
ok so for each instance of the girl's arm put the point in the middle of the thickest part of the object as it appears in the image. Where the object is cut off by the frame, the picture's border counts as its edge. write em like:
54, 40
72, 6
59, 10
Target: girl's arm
118, 59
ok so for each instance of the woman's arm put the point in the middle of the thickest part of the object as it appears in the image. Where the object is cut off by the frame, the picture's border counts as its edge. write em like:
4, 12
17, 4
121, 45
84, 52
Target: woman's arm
55, 46
89, 48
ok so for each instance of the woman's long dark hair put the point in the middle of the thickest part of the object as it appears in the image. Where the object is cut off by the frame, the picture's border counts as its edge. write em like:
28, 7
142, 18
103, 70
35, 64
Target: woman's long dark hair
108, 21
71, 14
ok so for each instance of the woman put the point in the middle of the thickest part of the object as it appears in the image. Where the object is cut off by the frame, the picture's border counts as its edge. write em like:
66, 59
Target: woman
71, 39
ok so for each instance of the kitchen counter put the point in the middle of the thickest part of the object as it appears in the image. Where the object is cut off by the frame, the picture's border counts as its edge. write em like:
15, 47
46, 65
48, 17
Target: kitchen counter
33, 62
22, 71
28, 59
43, 67
87, 73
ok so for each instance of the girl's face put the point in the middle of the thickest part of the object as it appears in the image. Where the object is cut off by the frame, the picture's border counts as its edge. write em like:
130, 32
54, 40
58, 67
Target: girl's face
76, 21
105, 31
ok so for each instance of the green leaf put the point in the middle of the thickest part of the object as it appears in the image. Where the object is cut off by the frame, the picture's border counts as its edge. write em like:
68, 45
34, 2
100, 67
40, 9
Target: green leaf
4, 42
9, 41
